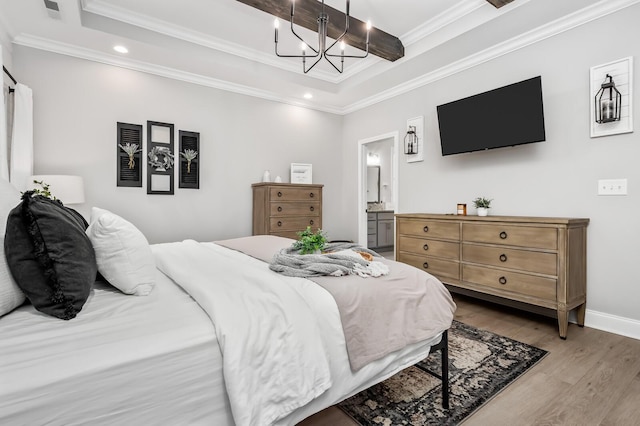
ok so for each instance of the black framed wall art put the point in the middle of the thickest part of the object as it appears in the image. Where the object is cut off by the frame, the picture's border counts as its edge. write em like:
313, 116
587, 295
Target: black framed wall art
129, 155
160, 158
189, 162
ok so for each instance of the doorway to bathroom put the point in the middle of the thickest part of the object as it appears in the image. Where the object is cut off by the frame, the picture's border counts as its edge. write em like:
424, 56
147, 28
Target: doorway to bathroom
378, 192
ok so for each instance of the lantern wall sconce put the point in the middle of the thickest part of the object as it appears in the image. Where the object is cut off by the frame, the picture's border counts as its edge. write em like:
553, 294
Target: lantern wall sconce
414, 140
611, 98
411, 141
607, 102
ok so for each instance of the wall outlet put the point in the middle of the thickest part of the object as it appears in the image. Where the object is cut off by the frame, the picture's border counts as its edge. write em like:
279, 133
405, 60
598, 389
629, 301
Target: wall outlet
612, 187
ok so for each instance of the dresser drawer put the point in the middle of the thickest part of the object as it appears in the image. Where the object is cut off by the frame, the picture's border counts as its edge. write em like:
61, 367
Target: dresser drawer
441, 268
429, 229
286, 208
514, 282
294, 194
531, 261
428, 247
279, 224
521, 236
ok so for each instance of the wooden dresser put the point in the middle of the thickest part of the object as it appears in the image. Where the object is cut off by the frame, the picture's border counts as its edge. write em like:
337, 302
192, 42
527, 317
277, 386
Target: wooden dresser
284, 208
527, 262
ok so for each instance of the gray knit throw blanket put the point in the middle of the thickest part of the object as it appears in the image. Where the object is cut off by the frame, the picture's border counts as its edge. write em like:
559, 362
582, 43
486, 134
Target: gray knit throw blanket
293, 264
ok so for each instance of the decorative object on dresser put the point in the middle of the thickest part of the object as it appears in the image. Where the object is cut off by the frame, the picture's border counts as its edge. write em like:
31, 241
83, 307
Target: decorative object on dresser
301, 173
129, 158
482, 205
286, 208
189, 168
532, 263
160, 146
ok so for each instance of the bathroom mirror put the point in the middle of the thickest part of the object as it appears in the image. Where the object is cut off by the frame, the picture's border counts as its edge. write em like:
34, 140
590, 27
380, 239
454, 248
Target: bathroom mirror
373, 184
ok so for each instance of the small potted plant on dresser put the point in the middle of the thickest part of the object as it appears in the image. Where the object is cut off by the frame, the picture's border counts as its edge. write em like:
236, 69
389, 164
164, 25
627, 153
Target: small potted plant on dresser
482, 205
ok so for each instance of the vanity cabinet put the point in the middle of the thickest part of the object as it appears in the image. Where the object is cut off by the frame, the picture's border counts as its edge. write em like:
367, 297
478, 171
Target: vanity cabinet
380, 229
284, 209
527, 262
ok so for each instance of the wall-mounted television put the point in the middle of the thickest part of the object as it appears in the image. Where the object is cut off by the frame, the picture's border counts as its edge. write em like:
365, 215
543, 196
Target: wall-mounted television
507, 116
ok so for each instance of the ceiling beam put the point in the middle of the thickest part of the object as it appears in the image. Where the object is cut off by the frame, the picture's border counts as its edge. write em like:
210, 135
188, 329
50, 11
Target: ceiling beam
381, 44
499, 3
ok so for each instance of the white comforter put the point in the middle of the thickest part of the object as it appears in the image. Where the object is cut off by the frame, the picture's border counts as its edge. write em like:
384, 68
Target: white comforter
270, 368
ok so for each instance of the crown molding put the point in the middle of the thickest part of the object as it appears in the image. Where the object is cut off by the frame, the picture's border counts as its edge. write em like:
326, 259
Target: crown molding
172, 73
560, 25
566, 23
439, 21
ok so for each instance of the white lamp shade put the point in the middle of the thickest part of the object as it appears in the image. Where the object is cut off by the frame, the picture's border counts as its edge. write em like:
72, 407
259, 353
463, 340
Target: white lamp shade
66, 188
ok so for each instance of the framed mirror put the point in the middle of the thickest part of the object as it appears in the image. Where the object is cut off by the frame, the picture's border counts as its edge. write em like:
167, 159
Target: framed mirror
373, 184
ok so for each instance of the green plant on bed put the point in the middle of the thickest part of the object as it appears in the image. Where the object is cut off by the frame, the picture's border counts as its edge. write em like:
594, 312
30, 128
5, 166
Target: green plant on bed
310, 242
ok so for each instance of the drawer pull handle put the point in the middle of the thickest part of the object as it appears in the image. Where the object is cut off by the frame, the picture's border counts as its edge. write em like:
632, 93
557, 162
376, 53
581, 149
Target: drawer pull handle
425, 229
503, 258
426, 247
311, 194
279, 194
503, 280
311, 222
425, 265
279, 208
279, 223
311, 208
503, 235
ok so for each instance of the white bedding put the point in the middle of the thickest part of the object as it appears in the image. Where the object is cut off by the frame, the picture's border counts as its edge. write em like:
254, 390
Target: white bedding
273, 355
122, 360
151, 360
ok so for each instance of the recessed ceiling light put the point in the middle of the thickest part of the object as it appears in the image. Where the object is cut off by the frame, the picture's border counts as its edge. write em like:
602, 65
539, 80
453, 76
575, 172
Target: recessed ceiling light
120, 49
308, 96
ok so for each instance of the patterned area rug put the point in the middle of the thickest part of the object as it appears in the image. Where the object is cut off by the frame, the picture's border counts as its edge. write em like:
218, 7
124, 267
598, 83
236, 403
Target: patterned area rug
481, 364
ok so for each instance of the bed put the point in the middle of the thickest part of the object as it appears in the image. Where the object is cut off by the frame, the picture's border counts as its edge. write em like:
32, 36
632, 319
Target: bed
163, 358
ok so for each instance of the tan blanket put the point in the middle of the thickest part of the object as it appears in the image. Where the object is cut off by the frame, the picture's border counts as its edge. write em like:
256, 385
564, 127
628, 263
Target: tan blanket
379, 315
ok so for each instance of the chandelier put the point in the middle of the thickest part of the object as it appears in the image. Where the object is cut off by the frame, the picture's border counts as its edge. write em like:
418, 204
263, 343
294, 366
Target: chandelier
322, 51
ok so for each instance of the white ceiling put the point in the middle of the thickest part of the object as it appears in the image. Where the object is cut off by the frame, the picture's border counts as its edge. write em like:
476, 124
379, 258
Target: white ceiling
229, 45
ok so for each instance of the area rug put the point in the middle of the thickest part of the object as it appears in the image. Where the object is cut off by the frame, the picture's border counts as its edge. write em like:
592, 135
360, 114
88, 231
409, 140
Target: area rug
481, 364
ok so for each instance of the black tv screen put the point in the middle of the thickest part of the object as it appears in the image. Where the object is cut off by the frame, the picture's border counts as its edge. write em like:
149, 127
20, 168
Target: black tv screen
507, 116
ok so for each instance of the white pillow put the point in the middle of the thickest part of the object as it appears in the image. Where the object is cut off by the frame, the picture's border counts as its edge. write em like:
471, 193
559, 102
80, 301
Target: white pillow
123, 254
10, 294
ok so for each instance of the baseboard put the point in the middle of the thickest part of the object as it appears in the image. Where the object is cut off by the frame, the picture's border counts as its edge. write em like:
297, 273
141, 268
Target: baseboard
613, 324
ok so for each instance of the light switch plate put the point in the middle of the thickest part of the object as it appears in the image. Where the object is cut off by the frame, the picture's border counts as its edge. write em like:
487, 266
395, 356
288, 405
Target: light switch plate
612, 187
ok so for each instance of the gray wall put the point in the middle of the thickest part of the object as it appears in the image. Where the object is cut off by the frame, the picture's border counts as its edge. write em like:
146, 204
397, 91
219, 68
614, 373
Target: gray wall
554, 178
77, 104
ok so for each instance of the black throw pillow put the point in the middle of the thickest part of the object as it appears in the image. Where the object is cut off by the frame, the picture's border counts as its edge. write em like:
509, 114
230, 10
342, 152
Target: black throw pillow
50, 256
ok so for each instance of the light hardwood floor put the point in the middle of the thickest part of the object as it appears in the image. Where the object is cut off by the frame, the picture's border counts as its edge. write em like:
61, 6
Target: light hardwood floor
592, 378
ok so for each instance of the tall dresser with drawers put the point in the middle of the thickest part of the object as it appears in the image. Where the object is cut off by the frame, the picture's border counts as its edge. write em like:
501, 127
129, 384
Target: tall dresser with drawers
529, 262
284, 209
